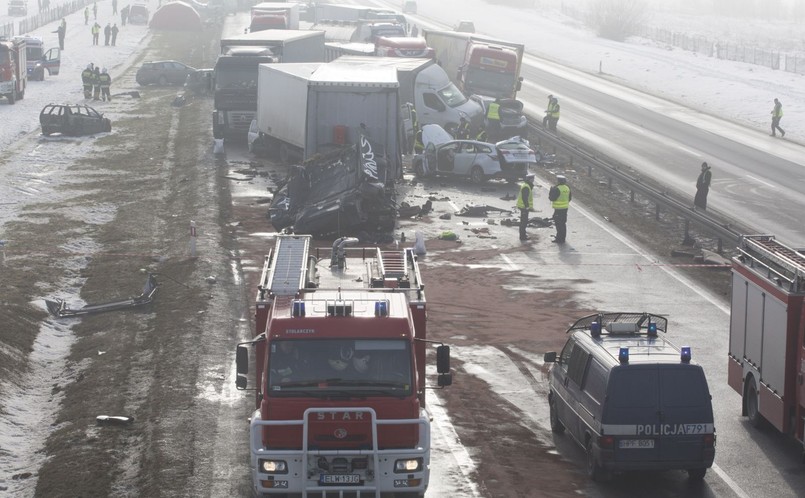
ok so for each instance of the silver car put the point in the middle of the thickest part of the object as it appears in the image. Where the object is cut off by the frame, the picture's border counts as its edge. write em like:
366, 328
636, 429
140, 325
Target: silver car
479, 161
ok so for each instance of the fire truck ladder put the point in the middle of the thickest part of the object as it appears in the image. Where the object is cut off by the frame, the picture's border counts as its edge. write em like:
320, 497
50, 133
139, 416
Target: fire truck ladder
393, 265
289, 267
780, 262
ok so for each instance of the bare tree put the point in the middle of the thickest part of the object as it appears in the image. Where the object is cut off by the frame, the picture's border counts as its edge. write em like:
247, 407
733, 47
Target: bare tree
617, 19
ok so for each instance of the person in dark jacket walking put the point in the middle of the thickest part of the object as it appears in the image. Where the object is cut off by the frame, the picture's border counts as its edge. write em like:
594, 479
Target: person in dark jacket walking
115, 30
61, 31
107, 34
124, 14
560, 197
702, 187
106, 83
86, 80
86, 16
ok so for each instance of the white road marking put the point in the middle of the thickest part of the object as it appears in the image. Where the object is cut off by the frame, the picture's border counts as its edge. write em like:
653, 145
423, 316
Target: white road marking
512, 264
761, 181
729, 482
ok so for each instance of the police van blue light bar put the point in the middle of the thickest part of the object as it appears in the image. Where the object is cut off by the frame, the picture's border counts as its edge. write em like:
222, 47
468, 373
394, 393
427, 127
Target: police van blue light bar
623, 355
652, 329
685, 354
595, 329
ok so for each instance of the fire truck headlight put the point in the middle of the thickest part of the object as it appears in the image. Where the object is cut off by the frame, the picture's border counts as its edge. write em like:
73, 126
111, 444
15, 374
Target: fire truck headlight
274, 466
408, 465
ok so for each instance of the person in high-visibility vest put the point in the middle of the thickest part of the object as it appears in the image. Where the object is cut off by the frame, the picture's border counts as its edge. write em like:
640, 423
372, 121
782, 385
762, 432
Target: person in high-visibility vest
776, 116
560, 197
493, 120
553, 115
548, 111
419, 147
463, 131
525, 203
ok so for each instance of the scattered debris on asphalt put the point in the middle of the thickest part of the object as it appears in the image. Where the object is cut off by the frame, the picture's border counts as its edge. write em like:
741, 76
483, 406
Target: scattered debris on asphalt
60, 308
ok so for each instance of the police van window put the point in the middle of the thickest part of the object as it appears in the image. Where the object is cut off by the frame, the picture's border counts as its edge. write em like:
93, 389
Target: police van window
683, 386
595, 382
566, 351
633, 388
578, 365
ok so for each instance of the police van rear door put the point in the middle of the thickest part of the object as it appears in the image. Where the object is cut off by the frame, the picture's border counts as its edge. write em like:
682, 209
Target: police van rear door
632, 412
686, 413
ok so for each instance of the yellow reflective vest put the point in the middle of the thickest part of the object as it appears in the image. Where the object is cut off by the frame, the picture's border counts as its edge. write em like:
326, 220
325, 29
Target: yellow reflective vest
493, 112
563, 201
525, 191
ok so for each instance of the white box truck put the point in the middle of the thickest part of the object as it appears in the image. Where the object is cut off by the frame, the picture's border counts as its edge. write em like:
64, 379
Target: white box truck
235, 73
307, 109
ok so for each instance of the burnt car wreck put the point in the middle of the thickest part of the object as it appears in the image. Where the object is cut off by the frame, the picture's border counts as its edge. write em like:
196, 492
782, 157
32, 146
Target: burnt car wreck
338, 192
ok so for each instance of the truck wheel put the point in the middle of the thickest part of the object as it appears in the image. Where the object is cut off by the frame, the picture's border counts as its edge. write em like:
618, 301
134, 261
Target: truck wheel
477, 175
752, 406
12, 97
556, 425
696, 474
594, 470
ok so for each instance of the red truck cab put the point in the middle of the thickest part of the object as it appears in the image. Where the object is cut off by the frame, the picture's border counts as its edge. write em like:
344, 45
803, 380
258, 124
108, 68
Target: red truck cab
13, 70
340, 371
402, 46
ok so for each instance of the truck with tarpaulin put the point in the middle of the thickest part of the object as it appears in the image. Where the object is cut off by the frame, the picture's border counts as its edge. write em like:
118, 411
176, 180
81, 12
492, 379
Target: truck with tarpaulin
766, 362
340, 355
478, 64
274, 15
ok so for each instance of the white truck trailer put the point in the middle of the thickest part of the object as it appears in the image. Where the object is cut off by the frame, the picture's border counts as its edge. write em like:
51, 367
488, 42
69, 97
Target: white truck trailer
306, 109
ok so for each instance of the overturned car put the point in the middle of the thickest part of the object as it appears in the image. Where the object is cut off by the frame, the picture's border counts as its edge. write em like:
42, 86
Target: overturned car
339, 192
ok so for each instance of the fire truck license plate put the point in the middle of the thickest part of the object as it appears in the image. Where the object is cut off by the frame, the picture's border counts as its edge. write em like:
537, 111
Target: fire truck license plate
635, 443
339, 479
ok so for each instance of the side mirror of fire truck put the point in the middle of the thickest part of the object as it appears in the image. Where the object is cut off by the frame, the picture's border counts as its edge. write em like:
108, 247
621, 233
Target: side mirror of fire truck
443, 366
242, 362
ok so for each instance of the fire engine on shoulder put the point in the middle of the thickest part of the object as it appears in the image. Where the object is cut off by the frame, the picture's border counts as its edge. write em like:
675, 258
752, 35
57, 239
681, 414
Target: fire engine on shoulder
340, 373
767, 333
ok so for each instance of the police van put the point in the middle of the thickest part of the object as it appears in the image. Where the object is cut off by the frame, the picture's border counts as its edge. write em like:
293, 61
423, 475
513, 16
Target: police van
630, 398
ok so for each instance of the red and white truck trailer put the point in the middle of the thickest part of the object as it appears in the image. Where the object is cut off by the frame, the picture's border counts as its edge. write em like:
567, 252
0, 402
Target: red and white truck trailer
478, 64
13, 69
340, 351
767, 333
274, 15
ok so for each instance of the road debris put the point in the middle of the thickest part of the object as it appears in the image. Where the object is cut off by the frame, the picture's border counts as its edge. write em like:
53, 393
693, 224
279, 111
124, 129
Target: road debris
59, 307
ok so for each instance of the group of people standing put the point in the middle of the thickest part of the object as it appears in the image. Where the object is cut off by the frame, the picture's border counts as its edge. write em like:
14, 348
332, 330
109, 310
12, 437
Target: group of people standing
97, 83
560, 197
109, 34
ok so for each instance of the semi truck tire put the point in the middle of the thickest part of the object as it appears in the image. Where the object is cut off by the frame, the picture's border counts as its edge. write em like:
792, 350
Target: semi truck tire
12, 98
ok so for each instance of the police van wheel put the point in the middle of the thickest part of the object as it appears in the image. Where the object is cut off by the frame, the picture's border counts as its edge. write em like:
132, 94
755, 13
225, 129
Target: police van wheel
594, 470
752, 410
696, 474
556, 424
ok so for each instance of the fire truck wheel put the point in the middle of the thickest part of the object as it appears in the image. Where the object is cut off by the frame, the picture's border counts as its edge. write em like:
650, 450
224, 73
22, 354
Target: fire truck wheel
696, 474
752, 410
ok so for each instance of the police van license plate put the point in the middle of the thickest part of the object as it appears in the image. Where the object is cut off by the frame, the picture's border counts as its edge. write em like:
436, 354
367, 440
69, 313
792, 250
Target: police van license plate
635, 443
339, 479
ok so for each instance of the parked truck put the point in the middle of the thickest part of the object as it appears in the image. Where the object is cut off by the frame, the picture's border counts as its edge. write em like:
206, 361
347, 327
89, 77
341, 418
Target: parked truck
38, 60
306, 109
478, 64
344, 12
766, 361
13, 69
274, 15
393, 46
340, 357
426, 91
235, 73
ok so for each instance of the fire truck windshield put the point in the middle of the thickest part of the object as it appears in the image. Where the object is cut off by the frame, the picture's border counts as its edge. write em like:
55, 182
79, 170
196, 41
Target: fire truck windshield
353, 367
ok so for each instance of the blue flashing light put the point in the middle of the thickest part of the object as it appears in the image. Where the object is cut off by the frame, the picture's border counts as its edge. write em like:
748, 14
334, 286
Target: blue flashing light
685, 354
652, 329
623, 355
595, 329
381, 308
298, 309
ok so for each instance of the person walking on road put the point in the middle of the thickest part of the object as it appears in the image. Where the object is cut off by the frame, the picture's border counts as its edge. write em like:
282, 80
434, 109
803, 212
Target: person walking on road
95, 11
776, 116
106, 84
114, 7
124, 15
96, 84
86, 16
702, 187
560, 197
86, 80
115, 30
525, 203
548, 111
61, 30
553, 115
107, 34
96, 33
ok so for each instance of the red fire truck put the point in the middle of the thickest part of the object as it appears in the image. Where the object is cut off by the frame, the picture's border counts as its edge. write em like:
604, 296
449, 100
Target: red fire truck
13, 69
340, 372
767, 333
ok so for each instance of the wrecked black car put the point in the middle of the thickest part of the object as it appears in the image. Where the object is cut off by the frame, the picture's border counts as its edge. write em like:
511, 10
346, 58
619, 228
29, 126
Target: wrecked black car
73, 120
338, 192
